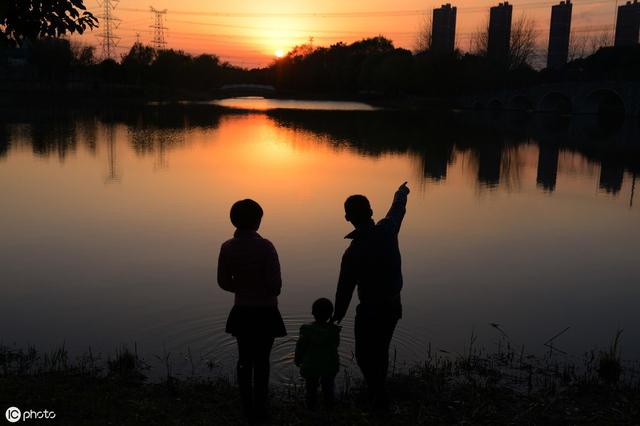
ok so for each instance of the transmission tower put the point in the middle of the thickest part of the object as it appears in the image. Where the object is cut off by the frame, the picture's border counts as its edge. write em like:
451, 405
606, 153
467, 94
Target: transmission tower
109, 24
158, 28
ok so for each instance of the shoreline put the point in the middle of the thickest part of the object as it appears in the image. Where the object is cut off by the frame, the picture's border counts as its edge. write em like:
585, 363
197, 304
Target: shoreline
137, 96
505, 387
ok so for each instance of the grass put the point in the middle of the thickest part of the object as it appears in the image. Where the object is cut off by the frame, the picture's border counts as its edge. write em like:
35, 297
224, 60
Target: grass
507, 386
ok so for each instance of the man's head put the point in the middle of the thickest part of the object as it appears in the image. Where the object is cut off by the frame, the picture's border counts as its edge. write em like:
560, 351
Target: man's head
357, 210
322, 309
246, 214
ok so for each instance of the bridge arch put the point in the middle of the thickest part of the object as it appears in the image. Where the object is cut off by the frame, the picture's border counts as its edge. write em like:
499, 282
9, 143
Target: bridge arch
520, 103
605, 103
555, 102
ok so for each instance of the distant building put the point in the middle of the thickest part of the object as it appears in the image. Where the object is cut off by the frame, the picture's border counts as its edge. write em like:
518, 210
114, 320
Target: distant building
628, 24
559, 34
443, 30
500, 32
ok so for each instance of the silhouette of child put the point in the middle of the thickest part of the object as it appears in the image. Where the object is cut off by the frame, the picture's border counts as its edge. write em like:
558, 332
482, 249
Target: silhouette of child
317, 353
248, 266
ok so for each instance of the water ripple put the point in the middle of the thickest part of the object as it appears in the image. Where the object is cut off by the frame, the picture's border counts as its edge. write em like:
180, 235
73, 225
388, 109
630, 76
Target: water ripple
203, 337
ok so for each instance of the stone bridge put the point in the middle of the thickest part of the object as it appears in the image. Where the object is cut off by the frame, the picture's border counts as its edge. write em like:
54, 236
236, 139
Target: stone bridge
605, 98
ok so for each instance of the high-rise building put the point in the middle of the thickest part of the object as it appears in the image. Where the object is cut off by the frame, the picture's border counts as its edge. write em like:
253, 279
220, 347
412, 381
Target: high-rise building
559, 34
500, 32
628, 24
443, 29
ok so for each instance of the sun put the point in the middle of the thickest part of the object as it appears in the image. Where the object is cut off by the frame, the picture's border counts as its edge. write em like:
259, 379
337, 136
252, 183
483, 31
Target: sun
279, 53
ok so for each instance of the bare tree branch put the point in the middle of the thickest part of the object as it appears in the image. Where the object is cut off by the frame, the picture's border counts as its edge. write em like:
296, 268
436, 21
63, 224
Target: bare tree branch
581, 46
480, 40
522, 47
424, 38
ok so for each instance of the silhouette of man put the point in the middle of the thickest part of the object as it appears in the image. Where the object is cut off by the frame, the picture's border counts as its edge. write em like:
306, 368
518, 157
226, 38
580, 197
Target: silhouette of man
372, 263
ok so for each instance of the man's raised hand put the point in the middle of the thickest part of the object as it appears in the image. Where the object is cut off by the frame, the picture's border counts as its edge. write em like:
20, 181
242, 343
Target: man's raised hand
404, 189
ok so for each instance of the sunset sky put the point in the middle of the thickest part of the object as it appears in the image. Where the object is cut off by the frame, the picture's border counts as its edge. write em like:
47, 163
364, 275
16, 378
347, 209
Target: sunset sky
249, 33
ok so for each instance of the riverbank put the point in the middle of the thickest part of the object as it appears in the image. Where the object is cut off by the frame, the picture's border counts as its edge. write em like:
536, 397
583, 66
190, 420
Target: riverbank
500, 388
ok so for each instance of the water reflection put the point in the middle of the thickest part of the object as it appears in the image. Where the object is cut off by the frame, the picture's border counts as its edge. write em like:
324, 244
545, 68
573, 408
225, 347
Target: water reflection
548, 157
507, 224
490, 140
4, 140
262, 104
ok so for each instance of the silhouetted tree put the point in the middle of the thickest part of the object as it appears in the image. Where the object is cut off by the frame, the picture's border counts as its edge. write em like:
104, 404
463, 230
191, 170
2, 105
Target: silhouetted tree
137, 61
52, 59
425, 35
84, 56
583, 45
522, 44
340, 68
205, 72
22, 20
139, 55
109, 71
387, 72
611, 63
480, 40
522, 47
170, 68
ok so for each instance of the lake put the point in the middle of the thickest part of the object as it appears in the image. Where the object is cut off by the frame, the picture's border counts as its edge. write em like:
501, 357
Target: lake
112, 220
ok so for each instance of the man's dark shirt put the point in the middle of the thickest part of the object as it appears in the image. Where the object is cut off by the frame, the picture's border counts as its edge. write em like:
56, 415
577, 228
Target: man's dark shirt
372, 262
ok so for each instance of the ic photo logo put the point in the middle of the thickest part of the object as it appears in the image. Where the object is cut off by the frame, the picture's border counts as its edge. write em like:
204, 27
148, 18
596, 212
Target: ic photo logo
14, 415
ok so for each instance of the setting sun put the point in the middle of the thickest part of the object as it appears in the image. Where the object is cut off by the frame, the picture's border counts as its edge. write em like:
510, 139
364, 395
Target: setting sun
279, 53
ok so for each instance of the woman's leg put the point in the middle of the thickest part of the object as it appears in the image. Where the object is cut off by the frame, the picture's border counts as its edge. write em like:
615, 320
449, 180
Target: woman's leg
245, 372
261, 353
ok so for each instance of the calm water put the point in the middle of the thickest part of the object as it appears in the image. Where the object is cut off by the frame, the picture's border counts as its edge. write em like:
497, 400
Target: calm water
263, 104
111, 223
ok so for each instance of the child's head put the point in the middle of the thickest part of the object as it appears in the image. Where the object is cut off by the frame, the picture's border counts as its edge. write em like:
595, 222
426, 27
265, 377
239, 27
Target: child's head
246, 214
322, 309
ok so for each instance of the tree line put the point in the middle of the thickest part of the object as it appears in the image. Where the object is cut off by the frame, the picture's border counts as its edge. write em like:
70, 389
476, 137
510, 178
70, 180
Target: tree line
375, 66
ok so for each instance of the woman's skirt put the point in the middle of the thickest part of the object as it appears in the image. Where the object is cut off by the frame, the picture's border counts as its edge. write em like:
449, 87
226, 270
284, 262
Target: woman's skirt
255, 321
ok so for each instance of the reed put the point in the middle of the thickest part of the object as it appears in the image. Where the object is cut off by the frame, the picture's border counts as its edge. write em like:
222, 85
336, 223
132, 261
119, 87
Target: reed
503, 386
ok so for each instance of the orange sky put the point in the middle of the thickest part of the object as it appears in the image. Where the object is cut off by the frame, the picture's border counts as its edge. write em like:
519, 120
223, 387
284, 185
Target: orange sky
248, 33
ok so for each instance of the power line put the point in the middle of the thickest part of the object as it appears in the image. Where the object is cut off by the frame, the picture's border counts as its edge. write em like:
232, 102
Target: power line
304, 30
110, 24
349, 34
358, 14
158, 41
159, 35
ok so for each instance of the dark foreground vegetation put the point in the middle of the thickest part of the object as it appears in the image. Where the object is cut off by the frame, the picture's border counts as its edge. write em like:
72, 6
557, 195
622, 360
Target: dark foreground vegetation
504, 387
